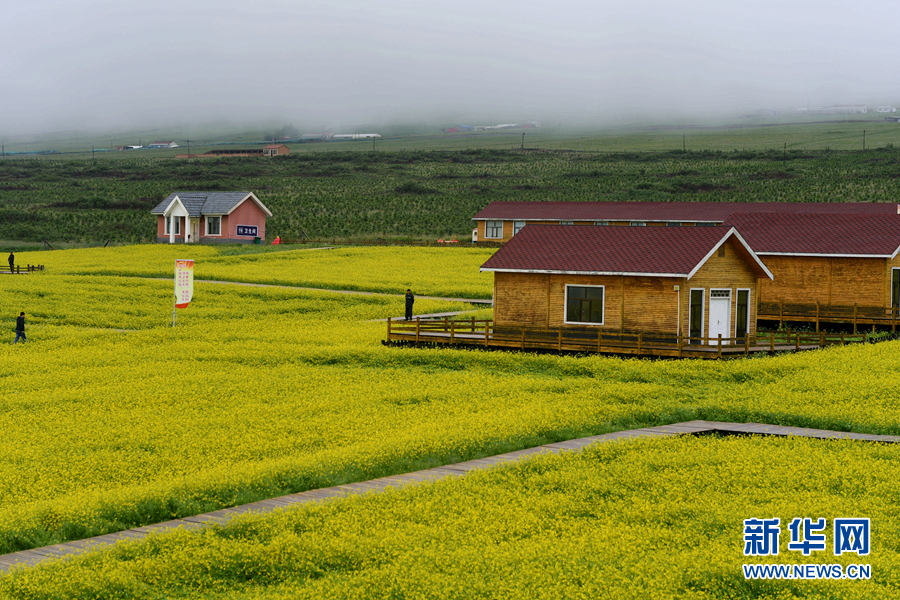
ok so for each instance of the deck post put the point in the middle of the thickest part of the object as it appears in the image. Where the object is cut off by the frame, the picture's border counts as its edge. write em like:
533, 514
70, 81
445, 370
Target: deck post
445, 323
817, 316
473, 324
797, 347
720, 346
680, 345
747, 344
418, 322
781, 317
559, 343
854, 317
772, 341
523, 338
389, 329
452, 332
486, 329
842, 338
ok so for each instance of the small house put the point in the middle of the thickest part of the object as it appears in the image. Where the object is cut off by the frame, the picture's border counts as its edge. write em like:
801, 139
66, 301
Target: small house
701, 282
276, 150
211, 217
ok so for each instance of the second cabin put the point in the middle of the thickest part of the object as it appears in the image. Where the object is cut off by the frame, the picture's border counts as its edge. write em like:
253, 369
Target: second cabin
699, 282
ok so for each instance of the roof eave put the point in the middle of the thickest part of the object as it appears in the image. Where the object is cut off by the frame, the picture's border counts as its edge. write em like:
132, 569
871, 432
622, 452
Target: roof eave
561, 272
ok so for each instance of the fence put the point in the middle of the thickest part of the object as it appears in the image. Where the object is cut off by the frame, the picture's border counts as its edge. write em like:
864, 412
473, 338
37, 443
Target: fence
475, 332
817, 313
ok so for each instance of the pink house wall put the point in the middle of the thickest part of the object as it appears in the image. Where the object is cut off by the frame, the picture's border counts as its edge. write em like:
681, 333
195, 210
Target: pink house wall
248, 213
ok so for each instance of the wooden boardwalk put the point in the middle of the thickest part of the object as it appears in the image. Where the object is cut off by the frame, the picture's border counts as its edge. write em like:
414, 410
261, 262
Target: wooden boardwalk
35, 556
483, 333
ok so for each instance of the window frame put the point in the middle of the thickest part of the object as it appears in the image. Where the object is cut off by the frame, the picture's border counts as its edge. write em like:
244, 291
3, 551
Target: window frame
637, 223
737, 303
206, 219
702, 315
566, 305
169, 225
488, 227
517, 228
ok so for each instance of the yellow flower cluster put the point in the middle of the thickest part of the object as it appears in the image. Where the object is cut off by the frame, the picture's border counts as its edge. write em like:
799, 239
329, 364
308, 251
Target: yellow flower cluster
448, 272
651, 518
112, 419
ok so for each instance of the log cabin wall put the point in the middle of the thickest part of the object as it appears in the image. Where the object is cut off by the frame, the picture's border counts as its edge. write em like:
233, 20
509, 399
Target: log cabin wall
828, 281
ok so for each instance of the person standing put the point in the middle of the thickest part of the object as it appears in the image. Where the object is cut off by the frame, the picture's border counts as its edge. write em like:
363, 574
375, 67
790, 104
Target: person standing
20, 328
409, 304
12, 262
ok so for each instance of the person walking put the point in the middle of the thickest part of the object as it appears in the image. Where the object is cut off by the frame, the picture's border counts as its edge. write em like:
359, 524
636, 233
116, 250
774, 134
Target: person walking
409, 304
20, 328
12, 262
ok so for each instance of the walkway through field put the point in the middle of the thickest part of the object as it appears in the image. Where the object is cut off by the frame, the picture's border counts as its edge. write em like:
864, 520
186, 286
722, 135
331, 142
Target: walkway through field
37, 555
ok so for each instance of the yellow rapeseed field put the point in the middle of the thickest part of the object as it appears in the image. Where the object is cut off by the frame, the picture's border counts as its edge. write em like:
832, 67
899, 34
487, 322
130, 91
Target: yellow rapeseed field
112, 419
449, 272
651, 518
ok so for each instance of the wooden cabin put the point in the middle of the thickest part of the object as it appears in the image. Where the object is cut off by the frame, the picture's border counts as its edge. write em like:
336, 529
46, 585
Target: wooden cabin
500, 221
210, 218
829, 260
701, 282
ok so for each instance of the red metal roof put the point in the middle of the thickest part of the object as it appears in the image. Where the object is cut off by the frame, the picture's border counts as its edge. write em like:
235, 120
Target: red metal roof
819, 234
715, 212
665, 251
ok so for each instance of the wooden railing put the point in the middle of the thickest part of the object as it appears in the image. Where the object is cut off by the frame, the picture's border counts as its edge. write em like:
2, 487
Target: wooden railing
18, 269
818, 313
482, 332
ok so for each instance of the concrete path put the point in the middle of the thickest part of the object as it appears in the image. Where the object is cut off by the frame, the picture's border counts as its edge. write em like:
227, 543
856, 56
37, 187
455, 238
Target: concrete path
38, 555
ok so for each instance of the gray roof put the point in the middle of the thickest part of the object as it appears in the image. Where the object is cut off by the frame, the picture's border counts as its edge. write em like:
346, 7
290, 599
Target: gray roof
203, 203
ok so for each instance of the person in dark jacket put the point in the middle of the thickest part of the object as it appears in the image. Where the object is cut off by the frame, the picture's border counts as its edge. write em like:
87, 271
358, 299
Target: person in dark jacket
409, 304
12, 261
20, 328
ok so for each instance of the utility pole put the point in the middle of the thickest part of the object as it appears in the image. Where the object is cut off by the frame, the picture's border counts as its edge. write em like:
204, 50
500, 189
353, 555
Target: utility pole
523, 141
864, 139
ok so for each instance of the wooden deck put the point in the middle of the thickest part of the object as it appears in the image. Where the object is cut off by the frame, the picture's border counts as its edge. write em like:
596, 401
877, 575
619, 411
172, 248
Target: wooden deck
483, 333
28, 558
819, 314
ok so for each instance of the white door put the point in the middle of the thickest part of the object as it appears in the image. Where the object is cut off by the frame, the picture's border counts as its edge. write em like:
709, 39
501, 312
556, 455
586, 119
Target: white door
719, 314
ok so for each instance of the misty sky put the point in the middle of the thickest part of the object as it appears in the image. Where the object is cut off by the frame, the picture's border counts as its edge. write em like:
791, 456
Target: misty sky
127, 63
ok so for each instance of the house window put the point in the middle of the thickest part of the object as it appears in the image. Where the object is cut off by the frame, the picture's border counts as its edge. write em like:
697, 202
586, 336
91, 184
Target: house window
177, 225
584, 304
695, 317
638, 224
213, 225
673, 224
493, 229
742, 314
517, 226
601, 222
567, 222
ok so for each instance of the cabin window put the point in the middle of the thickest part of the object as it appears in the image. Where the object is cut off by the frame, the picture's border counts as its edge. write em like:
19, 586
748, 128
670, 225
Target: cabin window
895, 288
705, 224
671, 224
213, 225
567, 222
601, 222
742, 314
517, 226
695, 316
493, 229
638, 223
584, 304
177, 225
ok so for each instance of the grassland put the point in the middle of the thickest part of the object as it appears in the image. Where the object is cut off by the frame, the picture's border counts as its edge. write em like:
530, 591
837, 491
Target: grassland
429, 187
